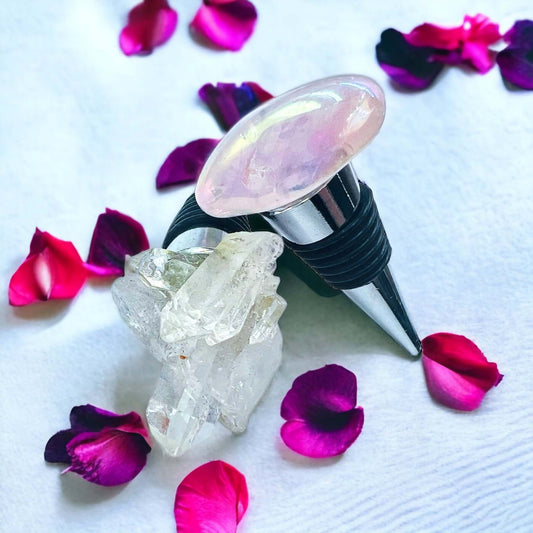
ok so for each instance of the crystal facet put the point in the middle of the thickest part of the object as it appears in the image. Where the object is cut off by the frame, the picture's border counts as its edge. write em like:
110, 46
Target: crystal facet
212, 320
291, 146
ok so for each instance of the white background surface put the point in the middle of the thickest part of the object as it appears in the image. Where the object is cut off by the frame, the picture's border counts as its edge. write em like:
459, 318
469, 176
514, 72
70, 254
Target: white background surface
83, 128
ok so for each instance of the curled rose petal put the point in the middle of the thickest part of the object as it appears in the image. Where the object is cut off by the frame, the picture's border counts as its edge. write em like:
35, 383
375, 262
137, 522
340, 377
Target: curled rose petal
413, 67
53, 270
471, 40
150, 24
229, 103
115, 236
213, 497
516, 61
321, 413
227, 24
101, 446
185, 163
458, 375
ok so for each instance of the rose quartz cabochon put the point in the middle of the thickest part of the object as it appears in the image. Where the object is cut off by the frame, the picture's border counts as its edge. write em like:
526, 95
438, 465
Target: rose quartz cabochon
291, 146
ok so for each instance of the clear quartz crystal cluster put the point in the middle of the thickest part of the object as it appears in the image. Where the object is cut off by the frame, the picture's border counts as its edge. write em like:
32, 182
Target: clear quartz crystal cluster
211, 318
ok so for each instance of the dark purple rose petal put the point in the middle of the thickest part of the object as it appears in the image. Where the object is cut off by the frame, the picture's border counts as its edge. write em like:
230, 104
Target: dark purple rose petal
229, 103
322, 420
56, 447
101, 446
516, 66
185, 163
227, 25
89, 418
521, 34
109, 457
115, 236
413, 67
516, 61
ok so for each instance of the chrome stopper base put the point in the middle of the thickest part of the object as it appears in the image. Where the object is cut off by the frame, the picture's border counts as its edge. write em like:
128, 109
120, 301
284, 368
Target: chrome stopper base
339, 234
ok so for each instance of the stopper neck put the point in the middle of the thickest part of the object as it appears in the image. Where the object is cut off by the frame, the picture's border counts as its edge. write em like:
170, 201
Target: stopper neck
321, 214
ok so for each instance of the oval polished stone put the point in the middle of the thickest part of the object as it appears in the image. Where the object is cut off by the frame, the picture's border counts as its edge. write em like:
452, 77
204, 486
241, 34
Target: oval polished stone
291, 146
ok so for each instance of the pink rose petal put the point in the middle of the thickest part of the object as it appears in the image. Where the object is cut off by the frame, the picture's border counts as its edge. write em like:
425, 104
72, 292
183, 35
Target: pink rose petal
101, 446
471, 40
150, 24
226, 24
53, 270
212, 498
185, 163
458, 374
321, 413
115, 236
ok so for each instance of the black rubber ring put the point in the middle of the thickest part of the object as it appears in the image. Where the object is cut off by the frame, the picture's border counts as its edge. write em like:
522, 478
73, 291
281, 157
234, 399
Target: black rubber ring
355, 254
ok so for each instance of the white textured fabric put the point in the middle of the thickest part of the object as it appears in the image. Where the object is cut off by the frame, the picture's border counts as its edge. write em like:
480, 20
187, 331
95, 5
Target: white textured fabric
83, 128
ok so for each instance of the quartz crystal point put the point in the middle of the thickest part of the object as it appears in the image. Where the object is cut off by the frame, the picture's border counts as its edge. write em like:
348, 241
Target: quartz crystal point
212, 320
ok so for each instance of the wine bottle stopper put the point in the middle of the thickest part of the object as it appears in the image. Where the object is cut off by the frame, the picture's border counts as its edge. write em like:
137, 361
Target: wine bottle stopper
289, 160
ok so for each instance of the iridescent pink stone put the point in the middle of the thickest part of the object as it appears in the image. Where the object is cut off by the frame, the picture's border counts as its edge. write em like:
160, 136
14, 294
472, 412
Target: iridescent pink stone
291, 146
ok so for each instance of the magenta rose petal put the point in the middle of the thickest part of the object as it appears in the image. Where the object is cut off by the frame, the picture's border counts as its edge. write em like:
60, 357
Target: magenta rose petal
213, 497
435, 36
412, 67
115, 236
53, 270
330, 437
458, 374
185, 163
150, 24
229, 103
109, 457
227, 25
516, 61
321, 413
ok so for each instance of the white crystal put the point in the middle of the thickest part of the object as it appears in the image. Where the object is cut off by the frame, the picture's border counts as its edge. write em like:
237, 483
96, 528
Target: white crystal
242, 265
212, 321
149, 280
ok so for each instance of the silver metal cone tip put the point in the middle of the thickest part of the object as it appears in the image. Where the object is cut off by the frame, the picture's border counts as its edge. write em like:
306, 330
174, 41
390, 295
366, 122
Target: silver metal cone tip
381, 301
